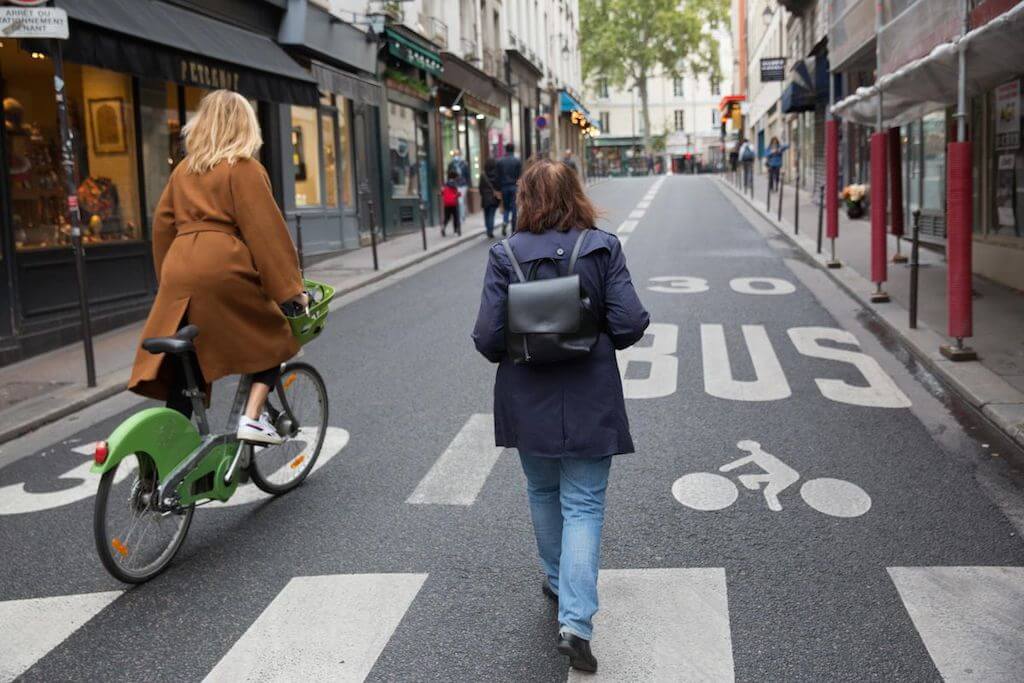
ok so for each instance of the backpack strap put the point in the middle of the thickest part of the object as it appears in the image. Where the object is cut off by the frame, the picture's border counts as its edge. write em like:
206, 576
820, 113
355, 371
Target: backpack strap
512, 257
576, 250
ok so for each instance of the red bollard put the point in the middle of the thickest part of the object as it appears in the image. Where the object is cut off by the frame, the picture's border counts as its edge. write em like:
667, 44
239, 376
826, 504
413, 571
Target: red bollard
879, 145
896, 191
832, 187
959, 213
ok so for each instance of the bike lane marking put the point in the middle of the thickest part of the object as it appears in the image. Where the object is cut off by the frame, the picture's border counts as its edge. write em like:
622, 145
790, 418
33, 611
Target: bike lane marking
459, 474
31, 628
321, 628
662, 625
971, 619
770, 383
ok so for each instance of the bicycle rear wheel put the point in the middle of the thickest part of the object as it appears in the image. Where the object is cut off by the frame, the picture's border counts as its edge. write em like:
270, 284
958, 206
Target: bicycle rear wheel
134, 539
279, 469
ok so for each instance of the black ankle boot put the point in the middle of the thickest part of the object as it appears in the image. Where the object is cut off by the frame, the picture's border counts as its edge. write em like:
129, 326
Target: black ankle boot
578, 652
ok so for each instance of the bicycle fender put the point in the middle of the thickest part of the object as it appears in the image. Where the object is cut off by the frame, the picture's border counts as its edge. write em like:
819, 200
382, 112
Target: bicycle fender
163, 434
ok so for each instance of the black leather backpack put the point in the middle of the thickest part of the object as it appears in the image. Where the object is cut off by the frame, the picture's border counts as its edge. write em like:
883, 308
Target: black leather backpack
549, 320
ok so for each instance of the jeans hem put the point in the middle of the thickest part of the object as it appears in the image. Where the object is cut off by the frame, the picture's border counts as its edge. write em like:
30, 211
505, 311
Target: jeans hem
562, 628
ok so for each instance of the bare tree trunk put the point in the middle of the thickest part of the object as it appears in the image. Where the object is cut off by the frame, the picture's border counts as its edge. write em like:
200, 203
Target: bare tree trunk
645, 112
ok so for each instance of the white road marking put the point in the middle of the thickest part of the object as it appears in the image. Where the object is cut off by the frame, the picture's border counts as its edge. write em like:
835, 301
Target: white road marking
637, 214
16, 500
31, 628
662, 625
881, 392
623, 239
643, 204
971, 619
321, 628
770, 383
768, 285
679, 284
663, 367
460, 473
334, 441
626, 227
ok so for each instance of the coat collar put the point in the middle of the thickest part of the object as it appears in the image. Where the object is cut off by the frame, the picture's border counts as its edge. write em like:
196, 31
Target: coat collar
529, 246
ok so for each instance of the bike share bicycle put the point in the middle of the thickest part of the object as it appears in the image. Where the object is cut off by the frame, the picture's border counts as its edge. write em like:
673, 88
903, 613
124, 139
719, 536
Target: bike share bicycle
142, 516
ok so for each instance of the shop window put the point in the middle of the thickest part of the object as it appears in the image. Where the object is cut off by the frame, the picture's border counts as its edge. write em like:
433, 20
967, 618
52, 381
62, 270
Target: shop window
101, 115
403, 151
473, 148
327, 129
345, 151
305, 156
160, 134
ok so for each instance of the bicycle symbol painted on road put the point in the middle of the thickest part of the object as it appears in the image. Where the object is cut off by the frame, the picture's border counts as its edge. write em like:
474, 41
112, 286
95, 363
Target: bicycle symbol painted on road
707, 491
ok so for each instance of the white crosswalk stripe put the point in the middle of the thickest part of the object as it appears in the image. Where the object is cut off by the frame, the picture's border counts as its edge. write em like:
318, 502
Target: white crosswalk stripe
457, 477
31, 628
971, 619
321, 628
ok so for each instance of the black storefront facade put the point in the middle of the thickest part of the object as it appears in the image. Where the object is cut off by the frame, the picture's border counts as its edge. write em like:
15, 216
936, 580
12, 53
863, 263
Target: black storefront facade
135, 71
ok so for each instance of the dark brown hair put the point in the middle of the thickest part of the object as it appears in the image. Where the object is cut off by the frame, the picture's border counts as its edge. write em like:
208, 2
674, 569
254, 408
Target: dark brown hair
550, 196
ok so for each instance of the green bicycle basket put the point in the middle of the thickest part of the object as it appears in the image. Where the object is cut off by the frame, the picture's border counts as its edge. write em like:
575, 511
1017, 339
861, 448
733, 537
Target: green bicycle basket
309, 325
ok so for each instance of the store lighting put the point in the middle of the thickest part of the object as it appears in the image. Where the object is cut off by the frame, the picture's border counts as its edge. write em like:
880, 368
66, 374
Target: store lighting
480, 117
456, 107
443, 109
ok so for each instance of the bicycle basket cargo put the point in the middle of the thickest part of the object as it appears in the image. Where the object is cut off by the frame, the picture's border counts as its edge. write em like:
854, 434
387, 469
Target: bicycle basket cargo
308, 326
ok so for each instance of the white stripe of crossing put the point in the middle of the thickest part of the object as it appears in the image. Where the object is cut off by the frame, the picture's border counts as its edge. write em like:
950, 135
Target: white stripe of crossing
971, 619
459, 474
637, 214
31, 628
321, 628
662, 625
644, 204
626, 227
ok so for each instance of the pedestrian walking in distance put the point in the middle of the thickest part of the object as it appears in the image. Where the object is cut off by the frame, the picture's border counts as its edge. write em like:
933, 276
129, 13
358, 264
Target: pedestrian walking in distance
225, 263
567, 418
462, 179
569, 160
747, 156
490, 196
450, 202
774, 162
509, 170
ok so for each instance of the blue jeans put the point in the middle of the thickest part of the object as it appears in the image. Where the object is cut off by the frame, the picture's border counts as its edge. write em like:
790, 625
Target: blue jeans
508, 199
567, 506
489, 212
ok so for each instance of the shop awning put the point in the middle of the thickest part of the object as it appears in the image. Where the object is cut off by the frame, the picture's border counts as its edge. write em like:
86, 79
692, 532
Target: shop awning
727, 100
158, 40
994, 53
569, 104
475, 83
410, 52
359, 90
808, 84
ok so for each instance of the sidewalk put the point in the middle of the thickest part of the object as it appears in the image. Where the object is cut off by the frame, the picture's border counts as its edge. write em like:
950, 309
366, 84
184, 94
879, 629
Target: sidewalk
994, 384
45, 388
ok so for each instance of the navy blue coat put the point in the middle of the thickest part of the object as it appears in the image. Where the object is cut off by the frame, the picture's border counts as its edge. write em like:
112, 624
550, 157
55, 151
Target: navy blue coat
576, 408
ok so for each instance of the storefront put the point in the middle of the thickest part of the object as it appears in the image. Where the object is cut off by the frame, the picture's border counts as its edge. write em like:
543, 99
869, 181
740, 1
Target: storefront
574, 124
410, 67
134, 74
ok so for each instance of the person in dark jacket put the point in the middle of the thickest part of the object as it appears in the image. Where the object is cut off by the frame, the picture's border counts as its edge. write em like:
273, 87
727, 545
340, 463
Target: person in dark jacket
490, 197
509, 170
567, 419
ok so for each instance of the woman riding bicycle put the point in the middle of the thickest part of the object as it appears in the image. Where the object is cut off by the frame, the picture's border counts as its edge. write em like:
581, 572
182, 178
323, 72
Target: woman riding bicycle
225, 263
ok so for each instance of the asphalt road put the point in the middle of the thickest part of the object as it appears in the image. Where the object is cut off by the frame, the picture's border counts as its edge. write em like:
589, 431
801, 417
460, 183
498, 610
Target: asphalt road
893, 551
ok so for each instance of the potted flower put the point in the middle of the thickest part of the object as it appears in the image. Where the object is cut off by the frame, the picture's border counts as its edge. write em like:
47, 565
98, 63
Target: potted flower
853, 196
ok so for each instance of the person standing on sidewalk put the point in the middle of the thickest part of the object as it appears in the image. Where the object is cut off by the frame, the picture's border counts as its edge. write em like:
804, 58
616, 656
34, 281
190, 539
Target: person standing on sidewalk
774, 162
566, 418
450, 197
490, 197
459, 166
509, 170
747, 157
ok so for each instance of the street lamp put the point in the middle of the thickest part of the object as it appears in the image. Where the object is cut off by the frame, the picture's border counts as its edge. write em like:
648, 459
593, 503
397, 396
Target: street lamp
768, 13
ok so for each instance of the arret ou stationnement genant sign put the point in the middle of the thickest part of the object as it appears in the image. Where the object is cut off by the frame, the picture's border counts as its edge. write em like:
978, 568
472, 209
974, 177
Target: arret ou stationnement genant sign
19, 20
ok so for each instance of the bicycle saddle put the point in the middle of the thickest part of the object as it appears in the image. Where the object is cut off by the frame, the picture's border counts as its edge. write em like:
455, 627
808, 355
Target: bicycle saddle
181, 342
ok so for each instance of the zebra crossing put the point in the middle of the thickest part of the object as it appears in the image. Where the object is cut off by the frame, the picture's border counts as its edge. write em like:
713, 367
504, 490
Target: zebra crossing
655, 624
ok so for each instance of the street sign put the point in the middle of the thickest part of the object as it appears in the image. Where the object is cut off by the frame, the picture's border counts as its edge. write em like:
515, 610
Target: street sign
773, 69
541, 122
33, 22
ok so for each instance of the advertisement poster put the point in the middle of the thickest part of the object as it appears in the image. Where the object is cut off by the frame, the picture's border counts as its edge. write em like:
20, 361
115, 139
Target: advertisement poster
1007, 116
1004, 200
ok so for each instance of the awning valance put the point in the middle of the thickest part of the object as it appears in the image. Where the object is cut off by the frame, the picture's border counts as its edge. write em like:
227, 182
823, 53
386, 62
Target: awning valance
409, 52
465, 77
569, 104
994, 54
807, 86
157, 40
359, 90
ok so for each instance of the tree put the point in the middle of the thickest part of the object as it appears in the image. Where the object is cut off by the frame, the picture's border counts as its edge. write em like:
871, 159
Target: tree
629, 41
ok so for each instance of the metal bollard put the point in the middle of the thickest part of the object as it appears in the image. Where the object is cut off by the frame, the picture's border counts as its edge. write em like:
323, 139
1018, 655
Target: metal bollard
423, 222
780, 195
768, 195
373, 233
796, 200
821, 213
298, 241
915, 236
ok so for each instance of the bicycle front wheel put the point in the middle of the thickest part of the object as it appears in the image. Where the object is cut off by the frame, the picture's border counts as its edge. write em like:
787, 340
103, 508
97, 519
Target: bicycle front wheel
279, 469
135, 540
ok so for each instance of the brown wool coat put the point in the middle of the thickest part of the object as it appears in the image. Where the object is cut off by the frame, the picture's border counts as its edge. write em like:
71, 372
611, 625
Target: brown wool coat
224, 260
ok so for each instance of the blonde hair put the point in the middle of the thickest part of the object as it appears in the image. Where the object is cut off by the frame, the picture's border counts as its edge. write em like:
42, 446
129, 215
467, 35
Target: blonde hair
224, 129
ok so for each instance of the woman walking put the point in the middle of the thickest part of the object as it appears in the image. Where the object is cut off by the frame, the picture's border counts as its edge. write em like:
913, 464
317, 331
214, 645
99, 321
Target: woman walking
567, 419
225, 262
490, 197
774, 162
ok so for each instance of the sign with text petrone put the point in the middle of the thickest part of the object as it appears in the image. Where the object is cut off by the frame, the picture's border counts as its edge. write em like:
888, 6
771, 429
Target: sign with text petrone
194, 72
773, 69
33, 22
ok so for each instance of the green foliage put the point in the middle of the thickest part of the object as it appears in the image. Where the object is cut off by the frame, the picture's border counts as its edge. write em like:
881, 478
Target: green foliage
627, 41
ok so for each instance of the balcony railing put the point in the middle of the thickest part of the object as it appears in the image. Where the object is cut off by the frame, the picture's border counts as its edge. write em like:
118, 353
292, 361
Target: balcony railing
437, 31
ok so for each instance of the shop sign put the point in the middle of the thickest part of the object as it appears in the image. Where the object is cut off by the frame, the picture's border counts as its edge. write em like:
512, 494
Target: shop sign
1007, 114
33, 22
205, 76
773, 69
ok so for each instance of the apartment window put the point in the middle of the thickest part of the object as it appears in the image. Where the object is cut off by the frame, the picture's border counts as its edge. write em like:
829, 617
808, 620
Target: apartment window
677, 87
680, 119
602, 87
604, 121
714, 117
716, 87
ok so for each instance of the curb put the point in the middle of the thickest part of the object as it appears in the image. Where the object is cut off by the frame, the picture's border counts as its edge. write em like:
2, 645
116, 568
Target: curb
994, 399
116, 382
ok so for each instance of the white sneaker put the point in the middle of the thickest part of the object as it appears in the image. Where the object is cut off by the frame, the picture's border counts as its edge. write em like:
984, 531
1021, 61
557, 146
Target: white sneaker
258, 431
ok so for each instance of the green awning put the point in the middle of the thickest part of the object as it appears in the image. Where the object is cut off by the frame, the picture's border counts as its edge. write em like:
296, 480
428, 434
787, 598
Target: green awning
409, 52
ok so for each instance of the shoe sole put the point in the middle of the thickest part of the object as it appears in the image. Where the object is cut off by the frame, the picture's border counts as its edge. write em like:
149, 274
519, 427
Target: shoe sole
257, 438
574, 659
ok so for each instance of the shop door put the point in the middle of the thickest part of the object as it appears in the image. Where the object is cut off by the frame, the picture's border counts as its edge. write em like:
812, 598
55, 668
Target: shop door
367, 154
6, 283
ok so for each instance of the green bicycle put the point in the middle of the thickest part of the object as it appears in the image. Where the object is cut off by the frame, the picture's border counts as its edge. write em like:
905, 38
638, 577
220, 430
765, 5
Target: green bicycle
158, 466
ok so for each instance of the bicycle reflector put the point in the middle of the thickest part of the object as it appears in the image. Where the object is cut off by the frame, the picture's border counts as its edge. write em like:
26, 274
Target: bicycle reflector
100, 454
